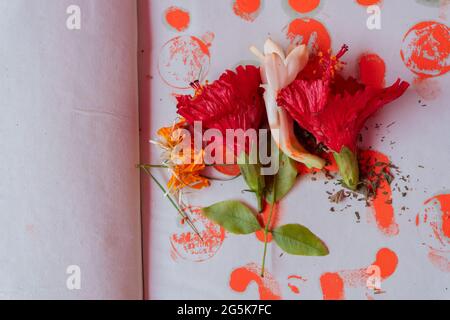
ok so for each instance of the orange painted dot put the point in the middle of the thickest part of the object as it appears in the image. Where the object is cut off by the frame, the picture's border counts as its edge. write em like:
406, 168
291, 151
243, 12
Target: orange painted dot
247, 9
387, 261
372, 70
332, 286
178, 18
368, 2
310, 32
304, 6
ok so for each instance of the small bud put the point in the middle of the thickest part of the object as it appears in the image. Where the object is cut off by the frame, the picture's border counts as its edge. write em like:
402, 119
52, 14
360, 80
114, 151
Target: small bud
348, 167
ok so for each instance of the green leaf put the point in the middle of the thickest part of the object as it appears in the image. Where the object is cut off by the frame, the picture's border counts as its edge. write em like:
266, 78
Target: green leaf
285, 179
298, 240
233, 216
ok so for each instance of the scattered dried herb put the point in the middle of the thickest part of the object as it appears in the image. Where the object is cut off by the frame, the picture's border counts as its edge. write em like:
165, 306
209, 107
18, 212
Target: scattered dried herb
338, 197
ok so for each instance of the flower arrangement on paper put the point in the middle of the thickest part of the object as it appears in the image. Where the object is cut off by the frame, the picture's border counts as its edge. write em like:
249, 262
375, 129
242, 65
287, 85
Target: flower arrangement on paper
249, 118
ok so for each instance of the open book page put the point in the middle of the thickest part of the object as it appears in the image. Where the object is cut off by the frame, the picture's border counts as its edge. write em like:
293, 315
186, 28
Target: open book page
391, 239
69, 190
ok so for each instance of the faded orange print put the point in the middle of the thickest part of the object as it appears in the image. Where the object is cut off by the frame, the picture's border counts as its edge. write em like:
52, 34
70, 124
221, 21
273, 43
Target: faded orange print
433, 224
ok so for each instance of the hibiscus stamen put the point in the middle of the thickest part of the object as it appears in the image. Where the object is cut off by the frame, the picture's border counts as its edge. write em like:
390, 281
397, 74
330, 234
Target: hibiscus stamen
332, 64
342, 52
198, 88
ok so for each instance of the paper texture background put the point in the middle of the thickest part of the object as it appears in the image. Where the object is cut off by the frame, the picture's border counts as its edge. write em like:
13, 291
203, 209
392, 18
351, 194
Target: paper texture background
69, 190
413, 132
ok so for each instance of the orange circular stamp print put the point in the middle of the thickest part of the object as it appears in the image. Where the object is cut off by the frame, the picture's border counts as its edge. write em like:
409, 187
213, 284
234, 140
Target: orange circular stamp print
183, 60
190, 246
426, 49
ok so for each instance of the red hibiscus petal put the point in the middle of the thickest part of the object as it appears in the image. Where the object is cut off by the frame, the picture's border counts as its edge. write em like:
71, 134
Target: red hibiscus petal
232, 102
382, 98
335, 114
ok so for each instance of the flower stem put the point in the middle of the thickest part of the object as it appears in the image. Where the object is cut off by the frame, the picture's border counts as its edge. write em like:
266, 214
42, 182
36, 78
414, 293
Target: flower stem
267, 229
149, 166
259, 199
174, 204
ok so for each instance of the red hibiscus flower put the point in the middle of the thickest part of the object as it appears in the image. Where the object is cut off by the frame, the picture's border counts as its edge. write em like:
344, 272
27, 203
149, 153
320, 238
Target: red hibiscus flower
233, 102
335, 110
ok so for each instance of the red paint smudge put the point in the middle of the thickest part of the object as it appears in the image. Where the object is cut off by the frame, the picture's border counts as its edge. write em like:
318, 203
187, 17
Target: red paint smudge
310, 32
185, 59
268, 288
333, 284
426, 49
247, 9
178, 18
189, 246
304, 6
265, 217
294, 288
382, 203
372, 70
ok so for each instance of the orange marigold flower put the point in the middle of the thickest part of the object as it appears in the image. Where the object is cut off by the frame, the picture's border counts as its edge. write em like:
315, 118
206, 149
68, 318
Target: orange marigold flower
187, 176
179, 155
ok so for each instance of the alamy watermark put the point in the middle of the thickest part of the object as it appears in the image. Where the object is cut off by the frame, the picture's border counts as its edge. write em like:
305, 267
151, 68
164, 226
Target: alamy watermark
73, 21
374, 280
374, 20
73, 281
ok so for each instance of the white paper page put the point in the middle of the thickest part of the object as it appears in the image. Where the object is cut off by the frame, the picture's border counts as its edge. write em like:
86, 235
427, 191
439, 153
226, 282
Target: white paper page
69, 190
413, 132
